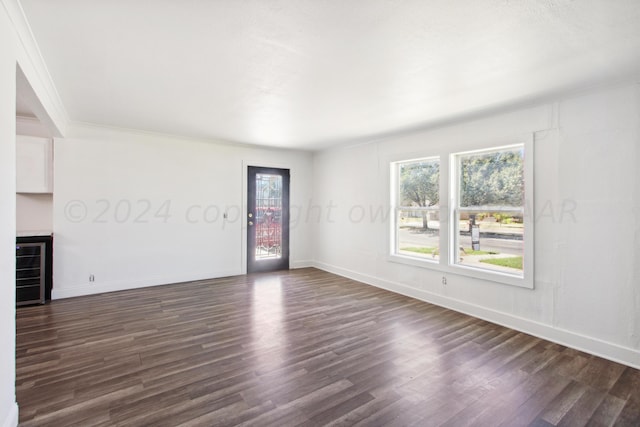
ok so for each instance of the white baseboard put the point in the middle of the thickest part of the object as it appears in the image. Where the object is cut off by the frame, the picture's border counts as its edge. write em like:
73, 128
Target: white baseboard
92, 288
11, 420
614, 352
597, 347
301, 264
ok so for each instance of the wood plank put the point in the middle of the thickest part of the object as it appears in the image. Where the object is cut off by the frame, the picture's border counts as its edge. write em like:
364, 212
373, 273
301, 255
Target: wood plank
300, 347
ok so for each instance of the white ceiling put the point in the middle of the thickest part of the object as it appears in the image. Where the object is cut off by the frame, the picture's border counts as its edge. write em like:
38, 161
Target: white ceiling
23, 108
312, 73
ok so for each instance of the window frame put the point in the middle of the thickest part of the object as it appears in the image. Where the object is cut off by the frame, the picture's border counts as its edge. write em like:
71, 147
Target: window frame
526, 279
449, 184
397, 208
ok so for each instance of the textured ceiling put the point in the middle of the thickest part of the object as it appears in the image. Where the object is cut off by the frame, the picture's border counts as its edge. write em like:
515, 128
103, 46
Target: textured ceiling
312, 73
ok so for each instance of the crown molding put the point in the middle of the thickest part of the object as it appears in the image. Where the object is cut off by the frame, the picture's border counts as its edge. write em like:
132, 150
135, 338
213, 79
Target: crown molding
49, 109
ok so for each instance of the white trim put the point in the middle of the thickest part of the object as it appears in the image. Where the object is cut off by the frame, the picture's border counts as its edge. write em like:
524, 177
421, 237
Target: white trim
76, 127
300, 264
607, 350
490, 275
82, 289
489, 150
529, 222
245, 192
32, 64
417, 261
525, 280
459, 270
448, 218
12, 417
397, 207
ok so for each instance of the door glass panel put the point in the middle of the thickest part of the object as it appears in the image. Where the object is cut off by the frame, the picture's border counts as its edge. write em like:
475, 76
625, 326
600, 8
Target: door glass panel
268, 216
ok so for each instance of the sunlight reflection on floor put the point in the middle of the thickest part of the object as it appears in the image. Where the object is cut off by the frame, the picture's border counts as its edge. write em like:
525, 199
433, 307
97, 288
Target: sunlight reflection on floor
267, 320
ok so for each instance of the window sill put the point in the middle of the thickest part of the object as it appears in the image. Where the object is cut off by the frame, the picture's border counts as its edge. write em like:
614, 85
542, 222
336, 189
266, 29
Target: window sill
462, 270
430, 263
492, 276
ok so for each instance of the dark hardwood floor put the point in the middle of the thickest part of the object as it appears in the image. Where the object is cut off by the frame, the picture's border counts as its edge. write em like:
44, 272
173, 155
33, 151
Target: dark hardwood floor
300, 347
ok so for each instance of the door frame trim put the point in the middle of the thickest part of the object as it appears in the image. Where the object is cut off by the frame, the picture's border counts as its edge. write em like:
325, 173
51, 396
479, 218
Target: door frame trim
245, 211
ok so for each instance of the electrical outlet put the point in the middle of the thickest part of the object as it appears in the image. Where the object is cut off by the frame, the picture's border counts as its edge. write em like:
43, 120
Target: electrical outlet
444, 280
92, 278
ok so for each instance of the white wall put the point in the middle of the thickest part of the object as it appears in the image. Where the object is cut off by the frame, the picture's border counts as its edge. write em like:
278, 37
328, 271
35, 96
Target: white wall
17, 48
130, 208
587, 281
34, 213
8, 407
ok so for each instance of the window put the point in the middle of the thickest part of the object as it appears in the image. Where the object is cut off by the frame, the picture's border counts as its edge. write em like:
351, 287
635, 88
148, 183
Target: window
488, 216
416, 208
485, 230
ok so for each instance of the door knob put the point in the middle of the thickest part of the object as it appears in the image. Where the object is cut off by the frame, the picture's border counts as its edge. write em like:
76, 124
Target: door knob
250, 222
250, 215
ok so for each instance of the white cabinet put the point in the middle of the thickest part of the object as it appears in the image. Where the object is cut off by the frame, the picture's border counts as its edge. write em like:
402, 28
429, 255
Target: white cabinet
34, 164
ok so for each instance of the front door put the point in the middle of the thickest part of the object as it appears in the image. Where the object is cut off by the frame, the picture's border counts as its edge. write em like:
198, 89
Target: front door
267, 219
